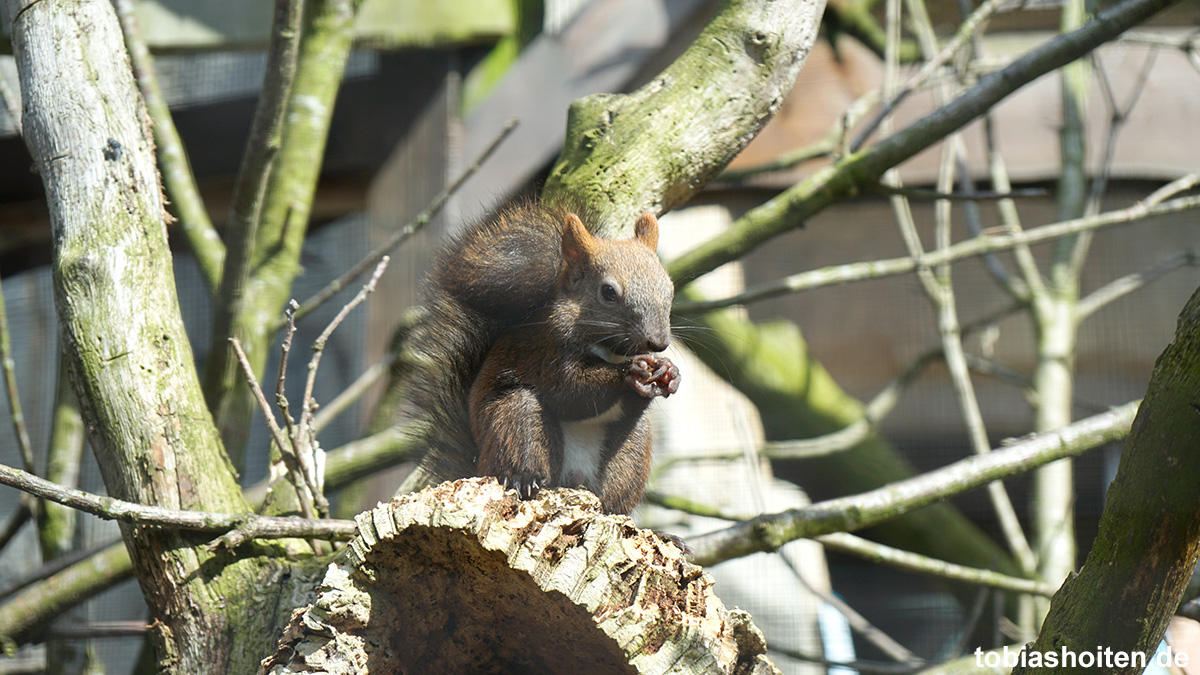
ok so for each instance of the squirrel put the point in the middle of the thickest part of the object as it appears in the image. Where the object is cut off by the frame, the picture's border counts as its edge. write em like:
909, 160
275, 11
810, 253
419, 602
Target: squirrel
538, 354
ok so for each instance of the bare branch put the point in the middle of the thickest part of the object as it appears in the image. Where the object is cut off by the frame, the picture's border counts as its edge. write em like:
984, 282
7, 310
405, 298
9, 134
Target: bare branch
16, 520
285, 350
399, 236
140, 514
350, 394
98, 629
966, 31
35, 605
769, 532
1118, 288
864, 667
841, 274
800, 202
10, 386
829, 144
304, 440
844, 542
286, 451
12, 101
52, 568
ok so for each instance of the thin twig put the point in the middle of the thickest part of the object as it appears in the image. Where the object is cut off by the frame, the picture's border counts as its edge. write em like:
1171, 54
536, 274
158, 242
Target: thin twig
329, 412
877, 409
1034, 286
1181, 184
107, 508
1118, 288
961, 196
1016, 287
844, 542
1118, 116
285, 349
965, 31
864, 667
841, 274
52, 568
97, 630
828, 145
16, 521
858, 623
10, 385
940, 290
399, 236
12, 102
285, 449
28, 507
799, 203
306, 437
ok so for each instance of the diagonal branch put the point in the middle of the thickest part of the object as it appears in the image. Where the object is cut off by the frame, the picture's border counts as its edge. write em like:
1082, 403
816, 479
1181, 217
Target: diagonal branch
790, 209
769, 532
173, 161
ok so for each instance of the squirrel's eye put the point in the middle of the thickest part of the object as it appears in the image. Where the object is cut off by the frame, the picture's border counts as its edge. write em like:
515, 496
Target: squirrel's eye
609, 292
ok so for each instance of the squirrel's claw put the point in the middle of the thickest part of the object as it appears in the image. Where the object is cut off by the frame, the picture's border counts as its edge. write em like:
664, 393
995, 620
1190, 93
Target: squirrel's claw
651, 376
527, 487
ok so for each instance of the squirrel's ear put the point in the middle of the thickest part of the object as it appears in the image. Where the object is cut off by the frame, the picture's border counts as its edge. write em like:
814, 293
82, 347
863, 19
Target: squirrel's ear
577, 243
646, 230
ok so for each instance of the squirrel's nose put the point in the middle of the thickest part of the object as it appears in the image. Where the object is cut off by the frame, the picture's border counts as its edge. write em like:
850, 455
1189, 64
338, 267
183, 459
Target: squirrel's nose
658, 343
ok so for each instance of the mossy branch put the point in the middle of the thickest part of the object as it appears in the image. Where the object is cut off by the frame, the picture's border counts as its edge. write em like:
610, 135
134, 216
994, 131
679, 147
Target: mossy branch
177, 174
273, 254
690, 120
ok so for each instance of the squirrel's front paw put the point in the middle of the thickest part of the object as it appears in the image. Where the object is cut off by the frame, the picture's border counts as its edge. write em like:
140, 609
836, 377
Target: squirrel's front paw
651, 376
527, 485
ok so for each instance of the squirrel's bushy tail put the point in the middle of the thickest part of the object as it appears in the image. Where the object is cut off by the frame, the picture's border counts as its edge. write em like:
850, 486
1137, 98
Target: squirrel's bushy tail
442, 354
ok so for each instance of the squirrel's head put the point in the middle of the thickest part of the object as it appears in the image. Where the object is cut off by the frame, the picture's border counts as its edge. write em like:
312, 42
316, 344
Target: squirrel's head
622, 292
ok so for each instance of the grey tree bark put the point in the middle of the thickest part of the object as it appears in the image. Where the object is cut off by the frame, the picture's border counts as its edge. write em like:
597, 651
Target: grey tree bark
123, 338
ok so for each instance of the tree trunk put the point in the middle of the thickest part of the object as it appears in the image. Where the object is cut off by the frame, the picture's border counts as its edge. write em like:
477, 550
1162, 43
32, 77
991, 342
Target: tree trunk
123, 338
1149, 537
466, 578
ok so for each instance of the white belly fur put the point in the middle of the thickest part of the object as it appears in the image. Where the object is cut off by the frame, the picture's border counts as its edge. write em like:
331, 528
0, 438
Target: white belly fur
583, 445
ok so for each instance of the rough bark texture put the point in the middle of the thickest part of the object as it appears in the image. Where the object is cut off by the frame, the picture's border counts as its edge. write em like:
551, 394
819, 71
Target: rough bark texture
123, 338
464, 577
655, 147
1149, 537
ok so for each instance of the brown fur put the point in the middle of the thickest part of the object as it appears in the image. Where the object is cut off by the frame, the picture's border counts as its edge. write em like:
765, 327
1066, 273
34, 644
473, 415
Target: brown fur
532, 331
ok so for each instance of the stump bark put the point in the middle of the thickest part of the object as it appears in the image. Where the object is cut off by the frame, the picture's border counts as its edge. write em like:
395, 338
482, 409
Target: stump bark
464, 577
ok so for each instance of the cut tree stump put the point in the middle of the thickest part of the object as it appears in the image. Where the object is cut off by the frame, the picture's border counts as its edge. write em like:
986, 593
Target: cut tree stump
465, 578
